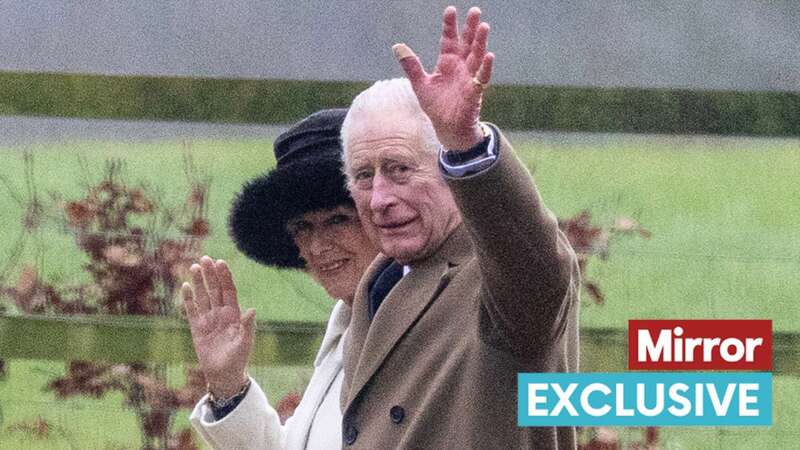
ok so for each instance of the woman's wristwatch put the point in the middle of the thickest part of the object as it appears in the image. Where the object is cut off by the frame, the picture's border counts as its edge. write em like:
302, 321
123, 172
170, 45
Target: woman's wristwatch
222, 406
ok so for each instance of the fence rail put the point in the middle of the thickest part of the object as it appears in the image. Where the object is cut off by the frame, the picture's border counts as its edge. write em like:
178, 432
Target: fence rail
127, 339
130, 338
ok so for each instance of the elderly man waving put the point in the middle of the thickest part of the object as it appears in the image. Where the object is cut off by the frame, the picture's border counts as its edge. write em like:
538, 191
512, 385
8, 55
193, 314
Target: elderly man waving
475, 282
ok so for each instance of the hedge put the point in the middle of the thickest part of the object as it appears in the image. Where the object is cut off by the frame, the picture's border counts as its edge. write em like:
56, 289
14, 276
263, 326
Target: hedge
555, 108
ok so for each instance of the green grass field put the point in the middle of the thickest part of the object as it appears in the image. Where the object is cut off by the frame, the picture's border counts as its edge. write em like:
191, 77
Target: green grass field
725, 244
84, 423
724, 220
81, 423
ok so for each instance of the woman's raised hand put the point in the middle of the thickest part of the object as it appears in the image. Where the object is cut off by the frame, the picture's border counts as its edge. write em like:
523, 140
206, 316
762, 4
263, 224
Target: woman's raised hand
222, 335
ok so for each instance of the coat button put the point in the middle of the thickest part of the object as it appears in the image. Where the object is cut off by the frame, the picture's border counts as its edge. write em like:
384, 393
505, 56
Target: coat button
397, 413
350, 435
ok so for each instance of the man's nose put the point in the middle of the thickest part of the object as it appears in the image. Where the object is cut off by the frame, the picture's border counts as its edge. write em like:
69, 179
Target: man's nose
382, 193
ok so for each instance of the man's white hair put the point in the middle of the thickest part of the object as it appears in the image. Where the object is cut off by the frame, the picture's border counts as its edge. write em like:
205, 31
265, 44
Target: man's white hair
384, 97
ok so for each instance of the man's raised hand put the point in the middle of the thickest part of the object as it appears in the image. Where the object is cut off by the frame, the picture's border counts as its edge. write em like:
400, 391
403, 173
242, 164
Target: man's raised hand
222, 335
451, 94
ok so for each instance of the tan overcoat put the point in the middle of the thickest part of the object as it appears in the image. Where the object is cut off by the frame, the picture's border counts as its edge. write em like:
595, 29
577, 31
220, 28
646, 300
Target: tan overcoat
437, 366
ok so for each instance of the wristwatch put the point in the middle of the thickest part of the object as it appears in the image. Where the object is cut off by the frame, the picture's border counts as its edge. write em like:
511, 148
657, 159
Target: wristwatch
218, 403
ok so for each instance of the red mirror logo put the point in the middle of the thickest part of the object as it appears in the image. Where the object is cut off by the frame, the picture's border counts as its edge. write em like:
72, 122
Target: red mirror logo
700, 345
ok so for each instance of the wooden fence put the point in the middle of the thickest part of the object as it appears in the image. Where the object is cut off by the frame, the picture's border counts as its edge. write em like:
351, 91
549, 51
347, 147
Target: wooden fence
127, 339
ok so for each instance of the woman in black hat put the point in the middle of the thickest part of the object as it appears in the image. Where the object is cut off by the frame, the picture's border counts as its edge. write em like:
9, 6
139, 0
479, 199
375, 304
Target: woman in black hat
298, 216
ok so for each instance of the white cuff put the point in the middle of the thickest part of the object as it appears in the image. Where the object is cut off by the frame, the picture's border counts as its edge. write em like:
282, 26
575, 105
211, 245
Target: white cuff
253, 424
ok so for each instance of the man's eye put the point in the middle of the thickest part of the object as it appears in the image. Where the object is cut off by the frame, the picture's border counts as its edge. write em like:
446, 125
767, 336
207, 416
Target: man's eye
399, 168
363, 175
398, 172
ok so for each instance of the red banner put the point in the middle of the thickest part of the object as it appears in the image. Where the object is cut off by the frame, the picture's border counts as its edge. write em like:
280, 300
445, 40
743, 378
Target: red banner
700, 345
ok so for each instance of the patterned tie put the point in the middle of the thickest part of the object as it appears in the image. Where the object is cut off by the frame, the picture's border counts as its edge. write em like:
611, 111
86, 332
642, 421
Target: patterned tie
382, 284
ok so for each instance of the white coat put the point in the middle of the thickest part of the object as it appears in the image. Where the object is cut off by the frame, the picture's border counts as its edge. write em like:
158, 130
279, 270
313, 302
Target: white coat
317, 421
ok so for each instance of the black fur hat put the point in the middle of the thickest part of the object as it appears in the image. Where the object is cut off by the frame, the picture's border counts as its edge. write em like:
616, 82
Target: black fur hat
308, 177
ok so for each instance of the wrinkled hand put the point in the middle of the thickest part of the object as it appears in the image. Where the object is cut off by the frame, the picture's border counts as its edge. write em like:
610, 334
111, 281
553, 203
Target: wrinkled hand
451, 94
221, 334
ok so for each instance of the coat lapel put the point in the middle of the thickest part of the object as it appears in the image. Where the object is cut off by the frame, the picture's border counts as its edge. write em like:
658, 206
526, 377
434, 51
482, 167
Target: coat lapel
402, 307
326, 367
